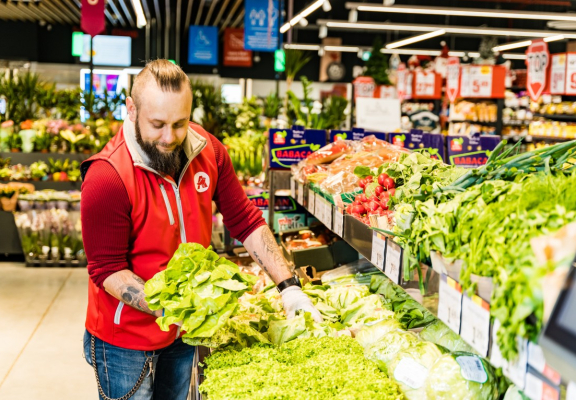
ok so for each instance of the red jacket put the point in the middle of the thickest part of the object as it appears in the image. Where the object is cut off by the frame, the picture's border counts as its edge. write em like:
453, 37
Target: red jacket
164, 213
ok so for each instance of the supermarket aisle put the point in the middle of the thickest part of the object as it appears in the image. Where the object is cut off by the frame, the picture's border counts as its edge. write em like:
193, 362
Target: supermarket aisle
42, 312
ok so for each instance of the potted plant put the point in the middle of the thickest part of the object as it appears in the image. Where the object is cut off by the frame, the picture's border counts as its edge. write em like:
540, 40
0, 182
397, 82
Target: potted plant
74, 174
27, 136
6, 132
5, 173
15, 143
58, 169
38, 170
53, 128
42, 140
8, 198
72, 138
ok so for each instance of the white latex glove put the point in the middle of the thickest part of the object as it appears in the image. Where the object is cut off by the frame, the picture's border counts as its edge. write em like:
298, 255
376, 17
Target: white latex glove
295, 299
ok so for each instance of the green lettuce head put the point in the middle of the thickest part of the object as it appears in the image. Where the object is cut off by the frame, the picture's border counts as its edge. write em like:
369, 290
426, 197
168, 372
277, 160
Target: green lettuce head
462, 376
340, 297
438, 333
373, 333
385, 350
411, 367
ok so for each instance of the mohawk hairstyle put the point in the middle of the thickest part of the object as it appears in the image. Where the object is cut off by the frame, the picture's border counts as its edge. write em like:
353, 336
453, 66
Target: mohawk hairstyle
168, 76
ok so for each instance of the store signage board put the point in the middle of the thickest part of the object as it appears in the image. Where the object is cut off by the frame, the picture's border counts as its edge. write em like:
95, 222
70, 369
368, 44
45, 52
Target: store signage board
537, 63
378, 250
108, 50
378, 114
471, 151
476, 81
261, 25
475, 326
338, 221
427, 85
202, 45
537, 389
453, 78
234, 53
570, 74
290, 146
393, 261
450, 302
92, 19
558, 74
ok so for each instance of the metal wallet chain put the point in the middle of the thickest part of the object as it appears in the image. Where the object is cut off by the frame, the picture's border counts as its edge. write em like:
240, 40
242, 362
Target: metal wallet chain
138, 382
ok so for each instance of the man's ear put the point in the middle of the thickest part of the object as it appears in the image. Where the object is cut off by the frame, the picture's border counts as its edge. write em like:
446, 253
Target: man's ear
131, 108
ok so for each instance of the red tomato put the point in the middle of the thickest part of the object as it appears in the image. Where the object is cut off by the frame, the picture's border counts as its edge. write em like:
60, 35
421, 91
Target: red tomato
391, 192
358, 209
361, 198
384, 204
378, 190
384, 195
389, 183
381, 178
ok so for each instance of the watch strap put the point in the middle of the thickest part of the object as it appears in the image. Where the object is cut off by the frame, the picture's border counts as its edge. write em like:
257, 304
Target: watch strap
294, 281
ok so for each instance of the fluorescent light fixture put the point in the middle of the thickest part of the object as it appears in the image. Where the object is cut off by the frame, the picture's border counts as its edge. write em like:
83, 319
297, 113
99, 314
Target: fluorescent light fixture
322, 32
415, 39
353, 16
303, 22
463, 12
509, 56
302, 46
344, 49
515, 45
554, 38
447, 29
326, 6
140, 18
306, 12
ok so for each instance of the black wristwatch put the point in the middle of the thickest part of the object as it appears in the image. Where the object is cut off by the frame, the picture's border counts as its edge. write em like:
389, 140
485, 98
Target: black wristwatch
294, 281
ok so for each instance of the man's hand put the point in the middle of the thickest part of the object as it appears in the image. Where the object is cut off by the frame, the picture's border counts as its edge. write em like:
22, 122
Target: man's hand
128, 287
295, 299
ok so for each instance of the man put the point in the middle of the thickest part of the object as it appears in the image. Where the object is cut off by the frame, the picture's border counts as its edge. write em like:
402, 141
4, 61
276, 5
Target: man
150, 189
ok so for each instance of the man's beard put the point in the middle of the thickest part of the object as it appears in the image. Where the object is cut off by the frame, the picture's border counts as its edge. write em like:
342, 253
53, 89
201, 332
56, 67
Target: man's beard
165, 163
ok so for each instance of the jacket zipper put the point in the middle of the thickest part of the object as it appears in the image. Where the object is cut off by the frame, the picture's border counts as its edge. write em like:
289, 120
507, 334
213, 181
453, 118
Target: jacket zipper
118, 313
167, 202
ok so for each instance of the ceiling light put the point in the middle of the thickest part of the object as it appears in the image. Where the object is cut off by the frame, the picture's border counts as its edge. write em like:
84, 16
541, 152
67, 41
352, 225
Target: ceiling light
303, 22
463, 12
447, 29
415, 39
344, 49
326, 6
353, 16
306, 12
302, 46
514, 56
323, 32
515, 45
554, 38
140, 18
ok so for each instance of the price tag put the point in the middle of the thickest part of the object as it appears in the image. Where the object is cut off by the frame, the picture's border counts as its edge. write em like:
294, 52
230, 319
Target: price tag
425, 84
570, 73
450, 302
393, 261
311, 202
300, 194
411, 373
378, 249
496, 357
536, 360
558, 74
328, 213
571, 391
318, 212
292, 188
472, 369
537, 389
475, 327
338, 221
476, 81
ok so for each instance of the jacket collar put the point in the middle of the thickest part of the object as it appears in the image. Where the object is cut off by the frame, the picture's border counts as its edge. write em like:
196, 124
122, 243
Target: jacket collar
193, 144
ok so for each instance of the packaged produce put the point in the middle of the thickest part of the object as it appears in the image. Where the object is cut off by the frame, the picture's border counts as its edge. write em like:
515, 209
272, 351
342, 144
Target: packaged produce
358, 272
461, 376
410, 369
329, 152
383, 351
438, 333
306, 239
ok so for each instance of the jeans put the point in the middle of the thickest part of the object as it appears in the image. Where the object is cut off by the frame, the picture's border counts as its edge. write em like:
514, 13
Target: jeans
119, 370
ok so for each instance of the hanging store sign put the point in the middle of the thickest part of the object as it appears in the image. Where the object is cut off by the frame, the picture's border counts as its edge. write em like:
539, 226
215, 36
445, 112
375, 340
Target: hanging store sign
92, 17
453, 78
261, 25
482, 81
203, 45
537, 63
427, 85
234, 53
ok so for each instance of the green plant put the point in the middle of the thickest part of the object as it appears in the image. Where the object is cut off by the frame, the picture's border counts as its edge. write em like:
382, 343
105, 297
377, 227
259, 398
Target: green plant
47, 98
5, 162
69, 103
74, 171
5, 173
15, 141
38, 170
272, 106
209, 110
21, 92
295, 61
102, 107
377, 65
7, 191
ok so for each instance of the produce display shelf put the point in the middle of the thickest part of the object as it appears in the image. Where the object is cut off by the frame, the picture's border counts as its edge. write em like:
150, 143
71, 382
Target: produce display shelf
557, 117
468, 316
473, 122
29, 158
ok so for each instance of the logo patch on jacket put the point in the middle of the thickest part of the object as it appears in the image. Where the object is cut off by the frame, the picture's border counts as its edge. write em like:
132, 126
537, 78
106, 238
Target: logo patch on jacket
201, 182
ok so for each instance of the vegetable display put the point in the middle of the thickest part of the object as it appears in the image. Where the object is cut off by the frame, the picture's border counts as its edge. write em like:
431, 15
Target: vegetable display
316, 368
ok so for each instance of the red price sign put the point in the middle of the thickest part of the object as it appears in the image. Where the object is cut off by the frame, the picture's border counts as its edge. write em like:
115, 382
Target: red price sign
558, 74
537, 63
570, 74
401, 81
453, 78
476, 81
425, 82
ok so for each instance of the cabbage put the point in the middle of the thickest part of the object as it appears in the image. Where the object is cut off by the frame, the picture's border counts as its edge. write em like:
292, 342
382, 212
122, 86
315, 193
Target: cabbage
366, 309
371, 334
461, 376
340, 297
439, 333
384, 351
411, 366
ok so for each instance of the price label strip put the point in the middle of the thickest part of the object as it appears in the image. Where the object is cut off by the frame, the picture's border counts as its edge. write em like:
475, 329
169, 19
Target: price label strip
378, 250
475, 326
318, 212
450, 302
537, 389
393, 261
292, 188
300, 194
514, 370
311, 202
536, 360
338, 221
328, 213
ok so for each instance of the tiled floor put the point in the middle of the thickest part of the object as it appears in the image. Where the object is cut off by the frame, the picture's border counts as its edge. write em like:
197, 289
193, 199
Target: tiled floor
42, 313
